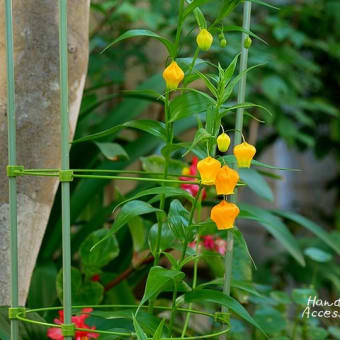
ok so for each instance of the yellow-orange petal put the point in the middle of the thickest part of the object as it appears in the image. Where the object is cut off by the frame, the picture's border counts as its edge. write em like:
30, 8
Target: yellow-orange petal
224, 214
208, 168
244, 154
173, 75
226, 180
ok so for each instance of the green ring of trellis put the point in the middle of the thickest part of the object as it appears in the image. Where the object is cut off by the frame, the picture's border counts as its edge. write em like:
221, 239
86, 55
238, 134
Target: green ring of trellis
22, 317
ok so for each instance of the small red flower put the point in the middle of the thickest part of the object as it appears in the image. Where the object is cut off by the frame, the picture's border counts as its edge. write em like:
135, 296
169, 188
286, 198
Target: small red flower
79, 321
211, 242
191, 188
95, 278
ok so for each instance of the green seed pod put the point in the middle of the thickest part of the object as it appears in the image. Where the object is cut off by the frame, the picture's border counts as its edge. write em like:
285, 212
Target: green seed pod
223, 43
221, 36
247, 42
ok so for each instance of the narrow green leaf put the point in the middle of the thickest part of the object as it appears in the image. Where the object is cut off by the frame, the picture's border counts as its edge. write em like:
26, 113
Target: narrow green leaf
112, 151
153, 127
164, 190
231, 85
312, 227
242, 242
265, 4
213, 296
189, 104
231, 28
129, 211
193, 5
199, 16
208, 83
317, 255
143, 33
256, 183
275, 226
242, 106
200, 136
139, 330
265, 165
159, 331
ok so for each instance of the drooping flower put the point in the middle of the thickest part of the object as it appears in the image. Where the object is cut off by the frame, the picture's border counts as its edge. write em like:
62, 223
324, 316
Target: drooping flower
191, 188
208, 168
224, 214
173, 75
79, 321
204, 39
223, 142
226, 180
244, 154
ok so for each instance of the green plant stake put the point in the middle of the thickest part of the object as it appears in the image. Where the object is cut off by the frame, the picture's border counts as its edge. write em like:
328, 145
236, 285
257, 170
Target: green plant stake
65, 185
237, 140
12, 162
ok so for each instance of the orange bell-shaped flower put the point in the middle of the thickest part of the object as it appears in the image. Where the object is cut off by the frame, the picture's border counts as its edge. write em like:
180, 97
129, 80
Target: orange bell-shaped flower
208, 168
224, 214
173, 75
244, 153
226, 180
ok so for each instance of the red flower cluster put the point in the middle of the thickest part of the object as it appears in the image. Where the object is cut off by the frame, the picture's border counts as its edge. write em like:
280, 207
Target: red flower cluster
191, 188
210, 242
79, 321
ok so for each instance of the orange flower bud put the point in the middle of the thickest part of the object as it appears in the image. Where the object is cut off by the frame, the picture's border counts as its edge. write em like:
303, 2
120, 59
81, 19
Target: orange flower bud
224, 214
208, 168
226, 180
223, 142
244, 153
204, 39
173, 75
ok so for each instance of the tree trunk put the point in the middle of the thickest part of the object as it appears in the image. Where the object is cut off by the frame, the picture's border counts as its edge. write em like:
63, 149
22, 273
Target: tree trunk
36, 49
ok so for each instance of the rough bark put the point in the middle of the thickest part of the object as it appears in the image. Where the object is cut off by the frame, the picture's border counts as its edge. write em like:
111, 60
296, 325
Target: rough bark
38, 121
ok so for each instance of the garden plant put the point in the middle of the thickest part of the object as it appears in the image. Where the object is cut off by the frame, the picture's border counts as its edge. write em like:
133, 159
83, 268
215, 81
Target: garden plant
130, 265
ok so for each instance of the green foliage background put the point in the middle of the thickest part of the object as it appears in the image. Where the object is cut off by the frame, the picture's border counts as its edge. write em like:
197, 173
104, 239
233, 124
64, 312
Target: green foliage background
298, 83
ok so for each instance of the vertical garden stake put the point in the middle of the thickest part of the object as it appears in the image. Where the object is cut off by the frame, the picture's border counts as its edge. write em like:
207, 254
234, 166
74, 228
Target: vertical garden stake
12, 162
65, 185
237, 140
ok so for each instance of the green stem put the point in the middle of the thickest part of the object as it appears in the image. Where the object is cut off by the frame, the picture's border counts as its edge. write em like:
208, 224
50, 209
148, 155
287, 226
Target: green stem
194, 281
173, 307
65, 186
237, 140
179, 26
192, 65
12, 161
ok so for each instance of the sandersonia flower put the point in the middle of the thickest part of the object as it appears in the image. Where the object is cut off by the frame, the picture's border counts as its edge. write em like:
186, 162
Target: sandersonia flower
173, 75
208, 168
79, 321
244, 154
226, 180
224, 214
204, 39
223, 142
191, 188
